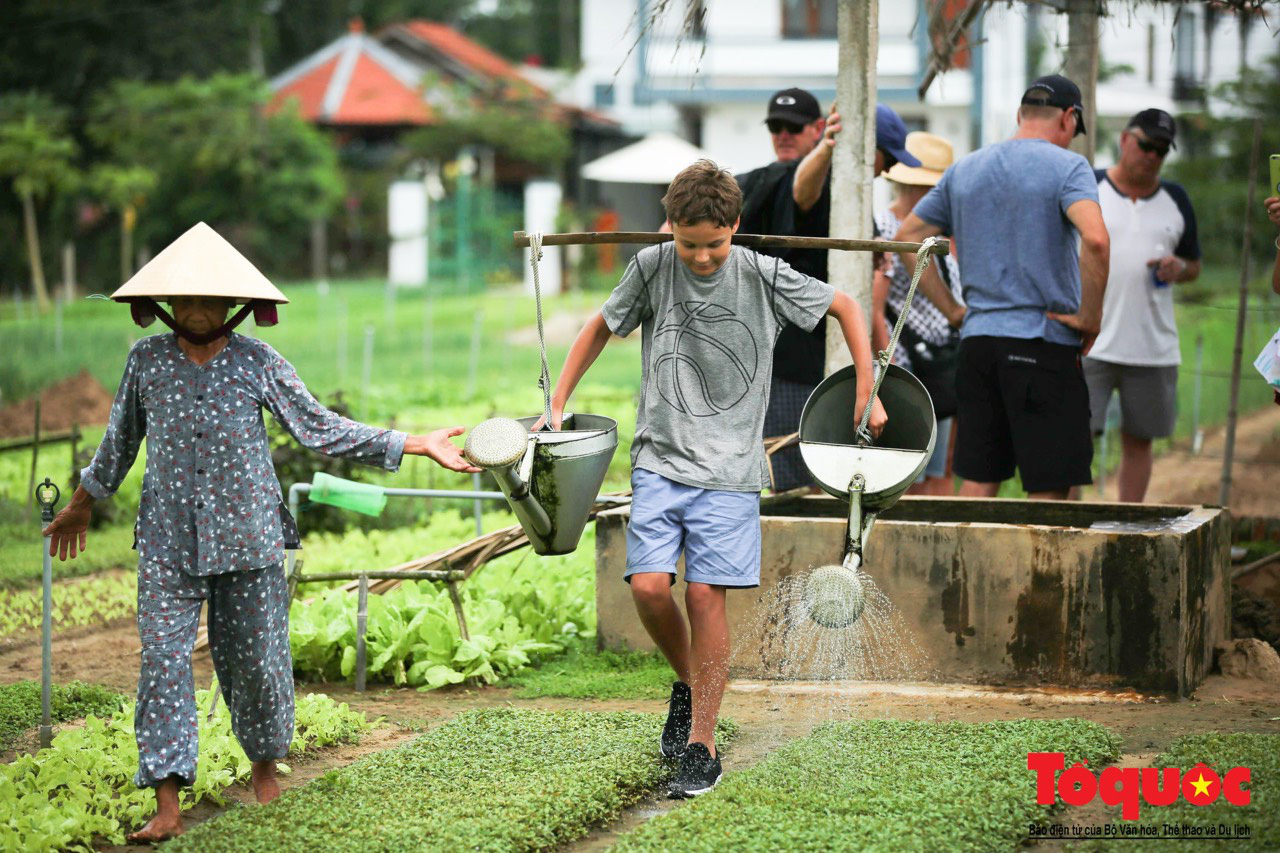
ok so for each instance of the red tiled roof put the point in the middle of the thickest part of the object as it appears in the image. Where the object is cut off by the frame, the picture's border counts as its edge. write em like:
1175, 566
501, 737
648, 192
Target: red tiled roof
470, 53
308, 91
353, 81
375, 96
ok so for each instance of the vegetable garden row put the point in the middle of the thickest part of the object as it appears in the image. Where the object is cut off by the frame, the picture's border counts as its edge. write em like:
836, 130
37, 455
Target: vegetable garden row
524, 779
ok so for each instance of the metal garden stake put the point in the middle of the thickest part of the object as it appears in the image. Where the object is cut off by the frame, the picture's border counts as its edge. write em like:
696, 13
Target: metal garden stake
47, 495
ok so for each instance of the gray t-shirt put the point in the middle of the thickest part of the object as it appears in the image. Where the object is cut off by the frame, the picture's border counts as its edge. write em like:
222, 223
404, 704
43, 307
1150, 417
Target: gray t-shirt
1006, 204
707, 351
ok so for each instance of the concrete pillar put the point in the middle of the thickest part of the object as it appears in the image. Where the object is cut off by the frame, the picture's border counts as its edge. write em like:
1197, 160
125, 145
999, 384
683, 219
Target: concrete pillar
407, 226
541, 208
853, 161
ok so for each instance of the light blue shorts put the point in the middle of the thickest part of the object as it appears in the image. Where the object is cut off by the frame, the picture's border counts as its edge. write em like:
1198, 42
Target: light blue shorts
719, 532
937, 464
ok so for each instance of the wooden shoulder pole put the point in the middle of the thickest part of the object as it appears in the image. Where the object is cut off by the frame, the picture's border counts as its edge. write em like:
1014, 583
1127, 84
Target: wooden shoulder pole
763, 241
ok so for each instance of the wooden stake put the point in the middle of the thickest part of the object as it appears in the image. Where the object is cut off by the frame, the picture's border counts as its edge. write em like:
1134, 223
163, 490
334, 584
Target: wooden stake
35, 452
362, 623
1233, 407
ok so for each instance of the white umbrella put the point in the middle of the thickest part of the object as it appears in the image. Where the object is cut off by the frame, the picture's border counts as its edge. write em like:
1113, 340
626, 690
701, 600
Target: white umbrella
656, 159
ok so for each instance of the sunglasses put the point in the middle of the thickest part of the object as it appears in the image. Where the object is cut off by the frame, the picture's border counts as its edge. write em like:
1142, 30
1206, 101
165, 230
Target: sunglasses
777, 125
1159, 149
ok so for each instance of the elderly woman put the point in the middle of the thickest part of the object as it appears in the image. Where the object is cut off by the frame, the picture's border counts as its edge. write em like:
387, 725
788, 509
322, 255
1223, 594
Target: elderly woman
928, 343
211, 523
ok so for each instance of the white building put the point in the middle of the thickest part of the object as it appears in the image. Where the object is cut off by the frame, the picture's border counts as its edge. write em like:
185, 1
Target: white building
712, 88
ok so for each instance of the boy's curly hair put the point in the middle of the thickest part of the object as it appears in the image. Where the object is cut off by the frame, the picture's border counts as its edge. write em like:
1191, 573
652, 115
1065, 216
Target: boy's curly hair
703, 192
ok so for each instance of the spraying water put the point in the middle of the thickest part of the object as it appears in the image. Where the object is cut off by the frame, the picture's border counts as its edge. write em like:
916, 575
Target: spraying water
853, 633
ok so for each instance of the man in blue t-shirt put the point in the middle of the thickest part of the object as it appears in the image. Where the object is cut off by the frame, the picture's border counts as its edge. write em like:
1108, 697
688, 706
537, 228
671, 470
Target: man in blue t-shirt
1034, 301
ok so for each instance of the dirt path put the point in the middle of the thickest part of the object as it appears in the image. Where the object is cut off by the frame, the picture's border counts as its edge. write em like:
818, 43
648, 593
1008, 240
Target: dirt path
1181, 478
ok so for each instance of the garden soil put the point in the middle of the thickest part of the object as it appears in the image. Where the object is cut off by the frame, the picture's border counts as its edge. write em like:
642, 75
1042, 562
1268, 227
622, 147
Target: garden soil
1182, 478
78, 400
768, 719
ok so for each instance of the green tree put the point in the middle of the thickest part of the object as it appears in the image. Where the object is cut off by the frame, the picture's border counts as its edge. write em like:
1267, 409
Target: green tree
123, 189
220, 156
1214, 166
38, 156
520, 129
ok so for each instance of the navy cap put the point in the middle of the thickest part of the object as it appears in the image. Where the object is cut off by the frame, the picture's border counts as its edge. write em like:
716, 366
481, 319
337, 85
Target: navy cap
1156, 125
891, 136
794, 105
1054, 90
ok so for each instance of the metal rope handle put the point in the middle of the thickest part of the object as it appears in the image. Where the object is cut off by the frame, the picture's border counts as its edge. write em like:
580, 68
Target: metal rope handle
923, 259
544, 380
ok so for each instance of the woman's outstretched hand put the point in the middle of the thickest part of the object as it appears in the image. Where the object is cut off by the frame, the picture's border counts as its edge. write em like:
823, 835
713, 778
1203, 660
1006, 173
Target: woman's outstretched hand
437, 446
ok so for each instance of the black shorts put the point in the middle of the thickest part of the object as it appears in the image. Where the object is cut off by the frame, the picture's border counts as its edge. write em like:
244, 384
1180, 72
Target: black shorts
1024, 404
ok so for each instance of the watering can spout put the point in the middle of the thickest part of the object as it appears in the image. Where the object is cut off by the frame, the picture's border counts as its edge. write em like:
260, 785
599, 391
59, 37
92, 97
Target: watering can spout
550, 478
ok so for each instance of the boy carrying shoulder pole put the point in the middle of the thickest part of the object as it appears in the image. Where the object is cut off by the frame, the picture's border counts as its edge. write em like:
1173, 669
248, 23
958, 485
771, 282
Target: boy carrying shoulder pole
710, 313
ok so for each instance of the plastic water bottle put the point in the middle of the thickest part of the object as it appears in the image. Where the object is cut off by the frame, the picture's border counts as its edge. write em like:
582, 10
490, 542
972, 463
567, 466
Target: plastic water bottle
1156, 281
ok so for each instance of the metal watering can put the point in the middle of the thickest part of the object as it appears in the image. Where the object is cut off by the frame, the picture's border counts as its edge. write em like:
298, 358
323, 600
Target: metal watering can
550, 477
871, 478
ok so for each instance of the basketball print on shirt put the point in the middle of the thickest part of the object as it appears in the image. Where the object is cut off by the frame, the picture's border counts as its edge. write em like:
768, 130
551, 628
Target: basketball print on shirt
707, 358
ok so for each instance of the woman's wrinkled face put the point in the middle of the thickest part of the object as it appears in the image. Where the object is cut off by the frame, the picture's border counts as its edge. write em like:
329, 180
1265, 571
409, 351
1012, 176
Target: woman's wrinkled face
200, 314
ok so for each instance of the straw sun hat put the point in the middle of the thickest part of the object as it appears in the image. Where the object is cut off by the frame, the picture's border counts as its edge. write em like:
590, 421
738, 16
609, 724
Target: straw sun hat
200, 263
933, 152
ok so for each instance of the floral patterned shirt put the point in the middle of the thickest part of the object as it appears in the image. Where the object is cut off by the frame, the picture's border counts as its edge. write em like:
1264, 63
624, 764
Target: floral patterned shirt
210, 499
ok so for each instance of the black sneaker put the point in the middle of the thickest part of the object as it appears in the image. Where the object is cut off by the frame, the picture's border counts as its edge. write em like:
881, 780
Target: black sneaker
698, 773
675, 734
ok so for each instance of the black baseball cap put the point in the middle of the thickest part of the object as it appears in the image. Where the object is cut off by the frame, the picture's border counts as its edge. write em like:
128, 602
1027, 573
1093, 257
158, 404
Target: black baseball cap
1054, 90
794, 105
1156, 125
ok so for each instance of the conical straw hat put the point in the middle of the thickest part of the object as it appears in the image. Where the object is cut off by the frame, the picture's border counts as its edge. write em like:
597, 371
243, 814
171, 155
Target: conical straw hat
200, 263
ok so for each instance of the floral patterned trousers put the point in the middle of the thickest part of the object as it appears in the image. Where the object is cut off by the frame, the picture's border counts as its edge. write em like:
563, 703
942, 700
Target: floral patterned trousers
249, 641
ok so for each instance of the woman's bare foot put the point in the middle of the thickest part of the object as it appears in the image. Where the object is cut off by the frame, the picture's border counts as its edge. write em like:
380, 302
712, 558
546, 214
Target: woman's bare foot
159, 828
168, 820
266, 787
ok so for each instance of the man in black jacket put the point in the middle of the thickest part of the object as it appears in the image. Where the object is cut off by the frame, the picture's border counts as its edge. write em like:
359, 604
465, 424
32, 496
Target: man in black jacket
771, 206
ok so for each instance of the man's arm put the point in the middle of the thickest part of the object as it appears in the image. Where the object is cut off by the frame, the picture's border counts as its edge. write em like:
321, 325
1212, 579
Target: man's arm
584, 352
1273, 213
1095, 263
879, 323
854, 327
812, 171
915, 230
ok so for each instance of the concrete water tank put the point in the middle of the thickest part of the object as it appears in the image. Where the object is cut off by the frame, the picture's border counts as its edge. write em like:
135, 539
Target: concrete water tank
997, 591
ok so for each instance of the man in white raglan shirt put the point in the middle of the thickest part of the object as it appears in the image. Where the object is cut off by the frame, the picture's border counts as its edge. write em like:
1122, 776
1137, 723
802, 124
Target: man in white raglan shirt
1153, 246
